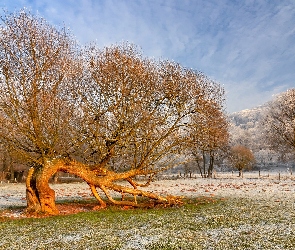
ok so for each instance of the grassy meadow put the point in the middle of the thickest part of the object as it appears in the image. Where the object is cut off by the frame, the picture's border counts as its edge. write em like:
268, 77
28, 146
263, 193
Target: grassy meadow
202, 223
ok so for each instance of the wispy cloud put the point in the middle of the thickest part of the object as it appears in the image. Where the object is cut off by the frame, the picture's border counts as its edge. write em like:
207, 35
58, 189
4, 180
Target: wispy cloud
248, 46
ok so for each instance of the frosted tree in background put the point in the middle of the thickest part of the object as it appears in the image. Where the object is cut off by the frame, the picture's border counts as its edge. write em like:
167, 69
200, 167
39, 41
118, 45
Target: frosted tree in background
278, 125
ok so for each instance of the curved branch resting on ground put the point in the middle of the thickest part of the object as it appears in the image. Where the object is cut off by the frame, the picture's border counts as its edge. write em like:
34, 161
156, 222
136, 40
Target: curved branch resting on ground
41, 198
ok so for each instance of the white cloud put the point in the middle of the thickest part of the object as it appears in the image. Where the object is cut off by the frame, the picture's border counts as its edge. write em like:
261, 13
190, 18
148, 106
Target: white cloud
248, 46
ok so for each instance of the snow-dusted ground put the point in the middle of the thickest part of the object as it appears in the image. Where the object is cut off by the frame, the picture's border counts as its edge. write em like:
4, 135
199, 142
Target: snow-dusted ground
267, 187
260, 216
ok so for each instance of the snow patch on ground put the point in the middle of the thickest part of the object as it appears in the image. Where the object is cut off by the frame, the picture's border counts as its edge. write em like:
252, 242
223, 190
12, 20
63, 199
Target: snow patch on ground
276, 188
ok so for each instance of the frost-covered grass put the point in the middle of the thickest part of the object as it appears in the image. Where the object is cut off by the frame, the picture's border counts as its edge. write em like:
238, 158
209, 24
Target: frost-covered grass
203, 223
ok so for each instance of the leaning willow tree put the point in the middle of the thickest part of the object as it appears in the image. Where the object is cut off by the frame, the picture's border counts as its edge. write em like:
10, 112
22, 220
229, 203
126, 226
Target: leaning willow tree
104, 115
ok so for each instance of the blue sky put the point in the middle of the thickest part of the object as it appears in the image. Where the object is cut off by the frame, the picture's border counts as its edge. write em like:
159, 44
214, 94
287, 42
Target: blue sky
247, 46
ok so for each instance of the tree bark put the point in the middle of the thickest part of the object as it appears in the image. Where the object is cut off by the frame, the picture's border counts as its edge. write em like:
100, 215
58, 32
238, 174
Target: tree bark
211, 164
240, 172
204, 165
40, 197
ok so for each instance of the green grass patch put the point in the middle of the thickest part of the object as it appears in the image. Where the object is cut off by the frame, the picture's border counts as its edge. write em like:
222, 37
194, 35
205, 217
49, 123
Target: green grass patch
202, 223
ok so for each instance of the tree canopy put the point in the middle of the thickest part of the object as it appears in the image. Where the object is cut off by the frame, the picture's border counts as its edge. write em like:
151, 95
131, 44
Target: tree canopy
102, 114
241, 158
209, 138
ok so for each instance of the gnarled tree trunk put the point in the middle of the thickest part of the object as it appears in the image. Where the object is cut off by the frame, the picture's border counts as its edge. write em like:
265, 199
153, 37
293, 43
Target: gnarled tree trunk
41, 198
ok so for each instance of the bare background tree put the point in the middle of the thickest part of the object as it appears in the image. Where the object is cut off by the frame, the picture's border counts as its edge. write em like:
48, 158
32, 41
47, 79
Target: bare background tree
102, 114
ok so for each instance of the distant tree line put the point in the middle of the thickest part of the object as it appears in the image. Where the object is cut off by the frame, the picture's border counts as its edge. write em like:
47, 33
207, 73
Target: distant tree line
268, 131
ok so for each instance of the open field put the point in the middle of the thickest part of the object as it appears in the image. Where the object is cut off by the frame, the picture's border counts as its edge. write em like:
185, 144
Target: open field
222, 213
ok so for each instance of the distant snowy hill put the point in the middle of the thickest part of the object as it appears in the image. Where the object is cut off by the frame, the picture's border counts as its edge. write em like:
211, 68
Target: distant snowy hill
248, 118
244, 129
